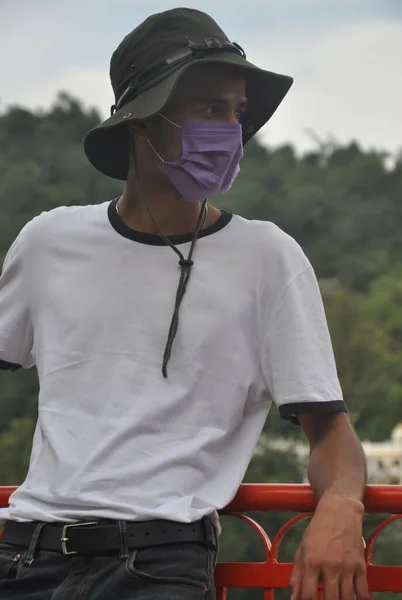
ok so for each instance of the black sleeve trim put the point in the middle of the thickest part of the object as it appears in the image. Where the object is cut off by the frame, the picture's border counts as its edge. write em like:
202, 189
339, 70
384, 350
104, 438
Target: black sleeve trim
290, 411
7, 366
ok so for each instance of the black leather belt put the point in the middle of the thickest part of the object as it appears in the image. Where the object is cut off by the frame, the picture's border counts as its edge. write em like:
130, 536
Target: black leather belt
93, 537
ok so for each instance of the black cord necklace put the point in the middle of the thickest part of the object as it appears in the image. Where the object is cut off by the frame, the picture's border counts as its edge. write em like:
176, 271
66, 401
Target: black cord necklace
185, 271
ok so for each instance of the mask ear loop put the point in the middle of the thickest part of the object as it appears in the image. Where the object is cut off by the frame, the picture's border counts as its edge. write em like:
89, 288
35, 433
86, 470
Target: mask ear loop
185, 264
169, 121
155, 151
152, 146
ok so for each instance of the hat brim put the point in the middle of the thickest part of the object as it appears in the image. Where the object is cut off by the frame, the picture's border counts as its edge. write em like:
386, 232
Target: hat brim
107, 145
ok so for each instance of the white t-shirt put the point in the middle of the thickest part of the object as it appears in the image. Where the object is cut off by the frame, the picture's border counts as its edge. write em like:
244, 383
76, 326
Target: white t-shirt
89, 302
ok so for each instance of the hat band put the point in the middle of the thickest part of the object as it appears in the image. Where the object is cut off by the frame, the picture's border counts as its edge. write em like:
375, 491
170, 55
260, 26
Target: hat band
195, 50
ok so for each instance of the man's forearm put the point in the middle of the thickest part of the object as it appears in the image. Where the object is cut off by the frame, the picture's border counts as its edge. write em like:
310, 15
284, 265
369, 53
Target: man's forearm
332, 547
337, 463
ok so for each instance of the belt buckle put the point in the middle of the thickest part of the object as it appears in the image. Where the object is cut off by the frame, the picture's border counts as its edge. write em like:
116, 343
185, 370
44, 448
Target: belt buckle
64, 539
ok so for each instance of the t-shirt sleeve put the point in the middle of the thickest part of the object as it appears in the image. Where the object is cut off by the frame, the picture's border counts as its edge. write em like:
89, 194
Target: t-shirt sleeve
16, 335
298, 359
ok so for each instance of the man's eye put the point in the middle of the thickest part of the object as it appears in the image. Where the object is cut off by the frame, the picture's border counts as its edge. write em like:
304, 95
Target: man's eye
211, 111
215, 111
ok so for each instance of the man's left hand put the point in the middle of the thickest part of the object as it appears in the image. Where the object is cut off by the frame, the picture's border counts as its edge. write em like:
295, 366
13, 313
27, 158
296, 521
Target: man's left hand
332, 552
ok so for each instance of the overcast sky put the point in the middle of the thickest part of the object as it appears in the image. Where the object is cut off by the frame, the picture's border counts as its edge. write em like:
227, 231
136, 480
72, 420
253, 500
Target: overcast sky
345, 57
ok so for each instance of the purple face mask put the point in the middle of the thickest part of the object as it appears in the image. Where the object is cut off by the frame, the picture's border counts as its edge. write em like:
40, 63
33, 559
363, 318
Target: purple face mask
210, 160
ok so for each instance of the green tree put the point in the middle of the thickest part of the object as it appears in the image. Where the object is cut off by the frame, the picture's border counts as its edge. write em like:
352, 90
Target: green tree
15, 447
367, 364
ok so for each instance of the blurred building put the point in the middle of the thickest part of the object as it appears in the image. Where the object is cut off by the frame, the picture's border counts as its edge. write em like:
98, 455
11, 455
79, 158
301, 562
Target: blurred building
384, 459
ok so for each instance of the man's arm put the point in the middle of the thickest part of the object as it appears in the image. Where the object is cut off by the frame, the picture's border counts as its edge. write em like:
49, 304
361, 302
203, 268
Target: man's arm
337, 463
332, 548
299, 368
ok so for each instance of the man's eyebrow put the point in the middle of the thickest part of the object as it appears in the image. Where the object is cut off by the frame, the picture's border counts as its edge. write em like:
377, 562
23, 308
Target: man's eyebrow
217, 99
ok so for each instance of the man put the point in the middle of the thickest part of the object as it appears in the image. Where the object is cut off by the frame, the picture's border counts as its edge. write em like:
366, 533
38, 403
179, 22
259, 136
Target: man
146, 429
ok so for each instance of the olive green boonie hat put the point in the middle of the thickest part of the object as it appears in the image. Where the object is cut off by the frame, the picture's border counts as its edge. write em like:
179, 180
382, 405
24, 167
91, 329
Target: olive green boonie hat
146, 68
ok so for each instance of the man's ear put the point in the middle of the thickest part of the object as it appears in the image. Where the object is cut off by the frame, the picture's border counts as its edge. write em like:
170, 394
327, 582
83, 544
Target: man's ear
138, 129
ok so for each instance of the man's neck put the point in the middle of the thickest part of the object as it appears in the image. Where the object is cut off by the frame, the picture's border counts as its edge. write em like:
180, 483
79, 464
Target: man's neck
174, 215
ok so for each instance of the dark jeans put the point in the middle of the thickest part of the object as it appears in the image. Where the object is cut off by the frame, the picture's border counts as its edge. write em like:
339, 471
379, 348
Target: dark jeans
173, 572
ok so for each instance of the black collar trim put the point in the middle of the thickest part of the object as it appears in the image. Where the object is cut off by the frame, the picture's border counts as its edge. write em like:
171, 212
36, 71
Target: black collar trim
155, 240
7, 366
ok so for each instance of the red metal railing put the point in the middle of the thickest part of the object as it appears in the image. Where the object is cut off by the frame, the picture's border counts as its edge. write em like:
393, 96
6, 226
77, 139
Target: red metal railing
271, 574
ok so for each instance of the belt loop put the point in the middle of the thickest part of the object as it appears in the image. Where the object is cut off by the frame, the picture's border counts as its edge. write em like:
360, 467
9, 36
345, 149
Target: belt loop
212, 539
32, 546
123, 539
216, 540
210, 534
